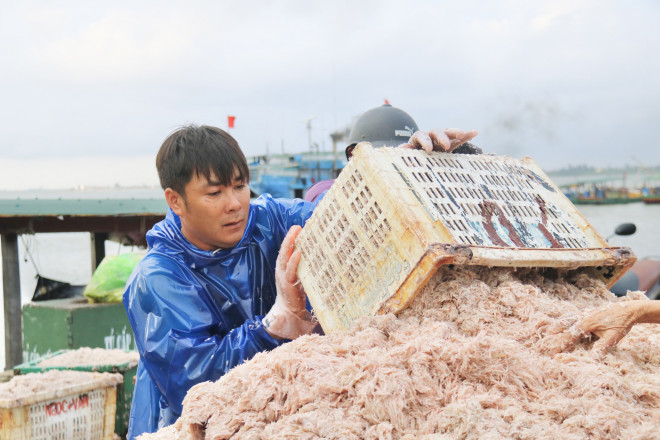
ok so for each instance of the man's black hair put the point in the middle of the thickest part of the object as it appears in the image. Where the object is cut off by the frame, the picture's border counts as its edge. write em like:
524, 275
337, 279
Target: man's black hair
200, 150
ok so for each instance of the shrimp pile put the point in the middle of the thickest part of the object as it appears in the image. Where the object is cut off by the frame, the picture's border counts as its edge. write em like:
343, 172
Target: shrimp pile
480, 353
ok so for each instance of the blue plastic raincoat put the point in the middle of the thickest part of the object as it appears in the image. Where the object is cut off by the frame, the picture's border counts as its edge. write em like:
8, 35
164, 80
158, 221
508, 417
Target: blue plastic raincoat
197, 314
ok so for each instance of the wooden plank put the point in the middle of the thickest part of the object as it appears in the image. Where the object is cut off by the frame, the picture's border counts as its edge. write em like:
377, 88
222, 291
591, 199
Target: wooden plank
133, 227
98, 207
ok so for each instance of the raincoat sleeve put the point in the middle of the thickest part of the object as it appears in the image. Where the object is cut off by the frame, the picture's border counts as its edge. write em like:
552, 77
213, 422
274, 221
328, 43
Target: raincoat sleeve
180, 338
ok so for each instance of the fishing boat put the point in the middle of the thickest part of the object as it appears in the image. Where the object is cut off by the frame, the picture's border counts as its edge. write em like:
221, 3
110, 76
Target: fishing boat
651, 195
600, 192
289, 175
608, 196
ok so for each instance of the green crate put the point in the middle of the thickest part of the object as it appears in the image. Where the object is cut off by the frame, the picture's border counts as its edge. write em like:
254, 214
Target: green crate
124, 389
60, 324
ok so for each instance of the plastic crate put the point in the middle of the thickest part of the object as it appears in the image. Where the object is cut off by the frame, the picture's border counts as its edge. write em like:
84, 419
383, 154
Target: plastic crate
395, 215
124, 388
76, 412
60, 324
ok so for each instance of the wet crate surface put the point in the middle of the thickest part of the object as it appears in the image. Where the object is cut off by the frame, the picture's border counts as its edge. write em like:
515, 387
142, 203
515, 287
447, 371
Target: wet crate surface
83, 411
394, 215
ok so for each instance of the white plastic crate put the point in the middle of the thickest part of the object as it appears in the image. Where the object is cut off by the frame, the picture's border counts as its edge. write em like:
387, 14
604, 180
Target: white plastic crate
84, 411
395, 215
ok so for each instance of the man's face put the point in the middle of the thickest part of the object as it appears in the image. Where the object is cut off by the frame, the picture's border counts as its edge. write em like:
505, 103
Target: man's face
213, 216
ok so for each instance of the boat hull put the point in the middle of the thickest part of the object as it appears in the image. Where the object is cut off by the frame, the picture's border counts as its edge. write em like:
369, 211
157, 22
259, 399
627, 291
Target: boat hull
607, 201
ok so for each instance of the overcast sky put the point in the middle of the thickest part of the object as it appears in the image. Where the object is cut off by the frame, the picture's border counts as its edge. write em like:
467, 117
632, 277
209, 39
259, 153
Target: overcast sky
89, 90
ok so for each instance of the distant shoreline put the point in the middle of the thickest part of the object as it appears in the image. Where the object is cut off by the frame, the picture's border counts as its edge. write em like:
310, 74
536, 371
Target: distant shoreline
99, 192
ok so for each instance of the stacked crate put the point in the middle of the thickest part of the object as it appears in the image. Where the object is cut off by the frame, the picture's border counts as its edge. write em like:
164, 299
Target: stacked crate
124, 393
83, 410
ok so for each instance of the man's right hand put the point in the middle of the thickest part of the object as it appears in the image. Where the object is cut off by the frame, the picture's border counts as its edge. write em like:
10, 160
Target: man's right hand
288, 318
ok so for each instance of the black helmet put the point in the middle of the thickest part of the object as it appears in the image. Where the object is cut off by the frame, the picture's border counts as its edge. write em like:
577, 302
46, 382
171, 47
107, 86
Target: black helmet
382, 126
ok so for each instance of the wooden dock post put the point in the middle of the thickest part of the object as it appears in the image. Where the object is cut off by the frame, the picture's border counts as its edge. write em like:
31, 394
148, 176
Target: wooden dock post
11, 281
98, 248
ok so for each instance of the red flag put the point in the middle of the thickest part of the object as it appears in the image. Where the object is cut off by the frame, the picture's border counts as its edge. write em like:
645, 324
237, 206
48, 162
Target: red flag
230, 121
387, 101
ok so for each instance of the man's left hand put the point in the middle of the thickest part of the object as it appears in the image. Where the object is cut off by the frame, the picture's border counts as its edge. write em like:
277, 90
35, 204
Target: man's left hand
288, 317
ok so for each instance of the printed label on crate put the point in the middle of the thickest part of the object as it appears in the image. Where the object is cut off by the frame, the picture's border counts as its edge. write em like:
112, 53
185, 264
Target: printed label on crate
64, 406
68, 417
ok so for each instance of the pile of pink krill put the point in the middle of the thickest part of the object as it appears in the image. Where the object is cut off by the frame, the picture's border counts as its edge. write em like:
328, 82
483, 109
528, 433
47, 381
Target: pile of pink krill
475, 356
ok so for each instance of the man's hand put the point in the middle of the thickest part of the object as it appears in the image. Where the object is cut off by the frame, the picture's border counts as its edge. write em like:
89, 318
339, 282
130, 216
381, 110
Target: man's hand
288, 317
435, 140
289, 288
611, 323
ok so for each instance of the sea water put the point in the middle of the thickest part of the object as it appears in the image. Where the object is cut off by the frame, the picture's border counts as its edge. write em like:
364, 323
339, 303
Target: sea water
67, 256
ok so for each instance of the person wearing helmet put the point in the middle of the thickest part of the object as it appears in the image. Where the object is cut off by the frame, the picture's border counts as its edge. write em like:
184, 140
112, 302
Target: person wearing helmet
383, 126
388, 126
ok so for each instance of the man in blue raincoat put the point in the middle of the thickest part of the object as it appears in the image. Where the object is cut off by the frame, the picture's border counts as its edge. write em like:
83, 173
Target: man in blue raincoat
214, 288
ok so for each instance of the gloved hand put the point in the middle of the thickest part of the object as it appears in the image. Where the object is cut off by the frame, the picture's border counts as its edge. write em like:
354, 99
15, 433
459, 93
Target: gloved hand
288, 318
435, 140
